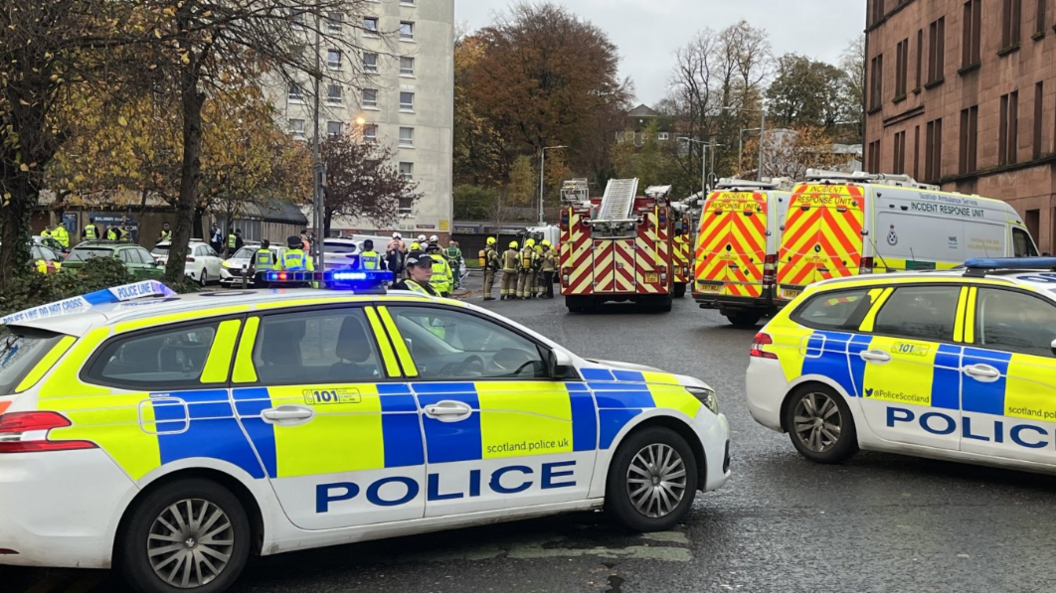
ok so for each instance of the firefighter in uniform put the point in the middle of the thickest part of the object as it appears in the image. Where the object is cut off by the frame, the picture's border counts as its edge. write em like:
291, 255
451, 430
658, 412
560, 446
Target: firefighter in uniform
441, 279
419, 274
489, 262
369, 259
509, 272
547, 267
526, 277
90, 232
263, 261
453, 255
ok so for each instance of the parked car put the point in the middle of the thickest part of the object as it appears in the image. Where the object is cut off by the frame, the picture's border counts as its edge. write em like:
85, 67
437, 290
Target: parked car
44, 259
137, 259
231, 269
203, 263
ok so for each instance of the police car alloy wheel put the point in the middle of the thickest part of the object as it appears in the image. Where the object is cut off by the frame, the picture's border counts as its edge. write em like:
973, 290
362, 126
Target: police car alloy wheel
191, 535
820, 425
652, 480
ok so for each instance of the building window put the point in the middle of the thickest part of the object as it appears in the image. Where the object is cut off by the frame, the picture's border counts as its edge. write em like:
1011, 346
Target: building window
407, 171
296, 94
901, 69
1039, 117
899, 163
933, 151
406, 136
370, 133
297, 128
406, 206
873, 157
370, 98
333, 59
1039, 19
916, 152
972, 33
333, 94
969, 146
1011, 21
406, 66
876, 92
406, 30
370, 63
878, 11
333, 128
407, 2
297, 16
663, 136
920, 59
333, 22
370, 24
406, 101
1009, 130
937, 50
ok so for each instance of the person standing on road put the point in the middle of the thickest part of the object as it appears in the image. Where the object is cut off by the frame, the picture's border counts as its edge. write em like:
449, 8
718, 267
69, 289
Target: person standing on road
489, 262
453, 255
547, 267
419, 274
526, 277
510, 259
61, 235
264, 260
441, 279
234, 242
166, 233
369, 259
113, 233
90, 232
216, 238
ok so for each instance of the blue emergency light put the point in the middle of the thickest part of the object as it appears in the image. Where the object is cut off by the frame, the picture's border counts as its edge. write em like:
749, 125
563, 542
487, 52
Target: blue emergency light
980, 266
359, 281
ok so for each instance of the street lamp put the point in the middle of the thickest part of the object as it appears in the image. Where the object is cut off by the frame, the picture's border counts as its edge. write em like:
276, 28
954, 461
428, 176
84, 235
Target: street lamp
542, 182
762, 131
703, 161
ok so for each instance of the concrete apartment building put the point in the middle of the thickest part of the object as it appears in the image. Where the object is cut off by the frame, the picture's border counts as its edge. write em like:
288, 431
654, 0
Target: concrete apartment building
962, 93
399, 92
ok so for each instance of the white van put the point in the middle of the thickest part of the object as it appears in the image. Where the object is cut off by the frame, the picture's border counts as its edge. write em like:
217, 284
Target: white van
736, 255
841, 224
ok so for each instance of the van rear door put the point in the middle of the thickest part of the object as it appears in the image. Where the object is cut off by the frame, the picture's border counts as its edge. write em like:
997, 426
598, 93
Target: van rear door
822, 237
731, 245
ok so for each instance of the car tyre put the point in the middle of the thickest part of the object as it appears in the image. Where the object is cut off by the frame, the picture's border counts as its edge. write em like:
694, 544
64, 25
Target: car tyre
744, 319
680, 290
216, 527
652, 480
204, 279
833, 439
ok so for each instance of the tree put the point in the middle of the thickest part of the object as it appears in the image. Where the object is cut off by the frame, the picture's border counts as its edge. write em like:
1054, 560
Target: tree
478, 146
363, 182
653, 163
853, 65
789, 153
806, 92
520, 192
543, 77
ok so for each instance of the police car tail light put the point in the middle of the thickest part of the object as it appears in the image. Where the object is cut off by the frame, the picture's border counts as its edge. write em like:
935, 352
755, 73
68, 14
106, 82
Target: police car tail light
27, 432
770, 269
761, 340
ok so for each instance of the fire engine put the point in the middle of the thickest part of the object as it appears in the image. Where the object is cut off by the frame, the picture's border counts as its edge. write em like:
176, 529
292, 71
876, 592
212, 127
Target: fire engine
619, 247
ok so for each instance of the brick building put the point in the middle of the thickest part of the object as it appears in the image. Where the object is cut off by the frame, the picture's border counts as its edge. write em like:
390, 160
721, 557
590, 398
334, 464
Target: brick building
962, 93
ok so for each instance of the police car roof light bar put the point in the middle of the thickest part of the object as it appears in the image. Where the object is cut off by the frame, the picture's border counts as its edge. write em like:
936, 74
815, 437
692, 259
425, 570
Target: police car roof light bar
978, 267
357, 281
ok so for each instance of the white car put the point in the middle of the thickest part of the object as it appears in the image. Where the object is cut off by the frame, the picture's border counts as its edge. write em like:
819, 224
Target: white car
203, 264
174, 437
232, 268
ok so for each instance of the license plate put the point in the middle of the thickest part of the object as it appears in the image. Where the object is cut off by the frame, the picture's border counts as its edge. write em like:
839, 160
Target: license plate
790, 293
709, 287
652, 277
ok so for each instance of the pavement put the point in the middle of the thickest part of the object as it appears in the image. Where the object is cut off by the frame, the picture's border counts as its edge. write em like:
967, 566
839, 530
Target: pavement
879, 522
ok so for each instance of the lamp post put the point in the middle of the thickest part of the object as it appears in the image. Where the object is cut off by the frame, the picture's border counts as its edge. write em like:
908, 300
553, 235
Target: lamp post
704, 146
740, 146
542, 182
762, 132
318, 171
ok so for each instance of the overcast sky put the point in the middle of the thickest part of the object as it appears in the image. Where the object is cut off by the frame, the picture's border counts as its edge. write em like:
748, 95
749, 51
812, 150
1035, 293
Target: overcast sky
649, 31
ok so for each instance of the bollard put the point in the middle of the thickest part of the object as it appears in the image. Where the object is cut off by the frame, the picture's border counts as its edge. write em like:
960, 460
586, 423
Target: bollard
245, 276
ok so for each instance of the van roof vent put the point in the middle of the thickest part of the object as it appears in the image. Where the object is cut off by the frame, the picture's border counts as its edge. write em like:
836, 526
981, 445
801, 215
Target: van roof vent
821, 175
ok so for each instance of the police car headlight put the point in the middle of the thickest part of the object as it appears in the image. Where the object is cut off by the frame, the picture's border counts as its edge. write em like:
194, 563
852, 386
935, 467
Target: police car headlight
706, 397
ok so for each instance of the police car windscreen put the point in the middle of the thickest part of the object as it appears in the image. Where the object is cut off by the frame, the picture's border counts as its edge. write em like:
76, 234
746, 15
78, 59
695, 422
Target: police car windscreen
20, 350
88, 253
245, 252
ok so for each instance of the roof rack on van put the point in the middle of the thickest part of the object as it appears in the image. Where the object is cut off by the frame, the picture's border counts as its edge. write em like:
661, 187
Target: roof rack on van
733, 182
979, 267
863, 177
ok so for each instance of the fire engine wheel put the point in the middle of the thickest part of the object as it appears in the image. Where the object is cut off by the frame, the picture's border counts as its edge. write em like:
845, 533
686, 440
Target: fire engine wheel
664, 303
744, 318
680, 290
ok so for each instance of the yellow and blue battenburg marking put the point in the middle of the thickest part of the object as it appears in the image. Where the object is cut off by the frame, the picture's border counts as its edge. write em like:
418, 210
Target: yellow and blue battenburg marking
622, 395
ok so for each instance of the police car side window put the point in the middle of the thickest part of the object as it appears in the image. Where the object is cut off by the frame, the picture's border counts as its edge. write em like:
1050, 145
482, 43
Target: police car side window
834, 310
1015, 322
166, 358
920, 312
452, 345
309, 347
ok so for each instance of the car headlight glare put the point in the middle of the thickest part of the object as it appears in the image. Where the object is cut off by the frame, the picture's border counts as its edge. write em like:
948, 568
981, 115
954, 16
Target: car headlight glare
706, 397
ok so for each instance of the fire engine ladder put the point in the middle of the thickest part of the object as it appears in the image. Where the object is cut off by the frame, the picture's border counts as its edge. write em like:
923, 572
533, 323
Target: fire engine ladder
618, 201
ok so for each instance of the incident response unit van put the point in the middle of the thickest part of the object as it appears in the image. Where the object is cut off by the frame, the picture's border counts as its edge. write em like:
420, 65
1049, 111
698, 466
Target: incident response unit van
841, 224
736, 254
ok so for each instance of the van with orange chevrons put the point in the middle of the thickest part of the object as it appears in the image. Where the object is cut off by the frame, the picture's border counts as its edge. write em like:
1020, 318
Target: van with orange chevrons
736, 252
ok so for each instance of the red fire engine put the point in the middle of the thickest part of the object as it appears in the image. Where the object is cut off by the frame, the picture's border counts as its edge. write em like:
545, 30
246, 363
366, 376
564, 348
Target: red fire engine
618, 247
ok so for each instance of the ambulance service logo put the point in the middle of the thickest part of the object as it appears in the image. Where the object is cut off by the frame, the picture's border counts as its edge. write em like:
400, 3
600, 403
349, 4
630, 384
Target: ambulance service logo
892, 237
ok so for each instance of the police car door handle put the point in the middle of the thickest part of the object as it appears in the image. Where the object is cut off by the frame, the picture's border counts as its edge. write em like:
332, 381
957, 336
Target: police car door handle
448, 410
875, 356
287, 415
982, 372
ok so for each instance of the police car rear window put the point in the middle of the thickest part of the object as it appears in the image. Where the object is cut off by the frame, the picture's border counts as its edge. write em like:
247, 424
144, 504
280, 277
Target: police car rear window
833, 310
87, 253
20, 350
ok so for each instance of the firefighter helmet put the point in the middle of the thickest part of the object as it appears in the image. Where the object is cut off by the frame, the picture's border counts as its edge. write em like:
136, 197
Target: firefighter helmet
513, 244
491, 240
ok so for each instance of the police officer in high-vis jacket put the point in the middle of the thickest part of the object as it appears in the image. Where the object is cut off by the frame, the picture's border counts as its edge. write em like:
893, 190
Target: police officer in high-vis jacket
264, 260
419, 273
369, 259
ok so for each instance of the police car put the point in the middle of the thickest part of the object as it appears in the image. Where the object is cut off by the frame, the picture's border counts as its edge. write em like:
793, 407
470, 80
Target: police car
957, 365
173, 436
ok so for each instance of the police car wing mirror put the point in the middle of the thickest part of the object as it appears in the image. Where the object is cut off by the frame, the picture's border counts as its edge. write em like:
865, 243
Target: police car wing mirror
558, 363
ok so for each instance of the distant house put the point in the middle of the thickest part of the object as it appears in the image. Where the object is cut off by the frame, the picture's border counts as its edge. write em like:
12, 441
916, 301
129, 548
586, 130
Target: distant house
637, 120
